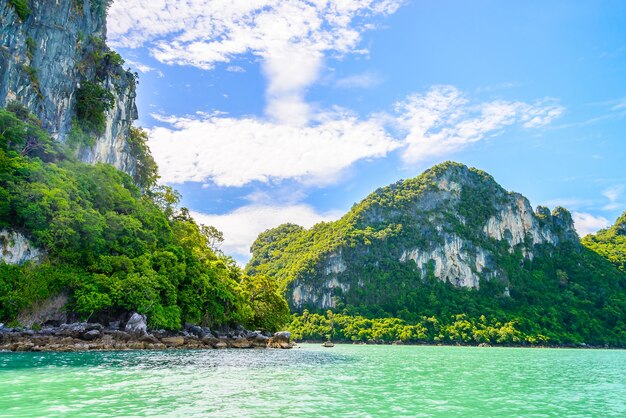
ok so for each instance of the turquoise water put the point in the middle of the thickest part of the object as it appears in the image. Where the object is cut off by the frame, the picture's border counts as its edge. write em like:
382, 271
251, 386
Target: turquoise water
347, 380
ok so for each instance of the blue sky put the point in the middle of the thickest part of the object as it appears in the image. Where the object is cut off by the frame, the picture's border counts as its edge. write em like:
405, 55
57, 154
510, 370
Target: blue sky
269, 111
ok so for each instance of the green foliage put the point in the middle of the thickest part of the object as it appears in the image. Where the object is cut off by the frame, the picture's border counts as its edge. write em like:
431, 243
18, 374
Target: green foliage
31, 47
610, 243
450, 330
566, 293
100, 7
31, 73
92, 100
147, 171
77, 137
113, 247
22, 8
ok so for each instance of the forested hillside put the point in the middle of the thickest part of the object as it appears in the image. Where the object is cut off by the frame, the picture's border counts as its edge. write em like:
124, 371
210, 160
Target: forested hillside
112, 247
448, 250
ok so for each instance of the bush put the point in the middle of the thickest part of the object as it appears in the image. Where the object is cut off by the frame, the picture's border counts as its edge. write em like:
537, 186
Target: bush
92, 101
22, 8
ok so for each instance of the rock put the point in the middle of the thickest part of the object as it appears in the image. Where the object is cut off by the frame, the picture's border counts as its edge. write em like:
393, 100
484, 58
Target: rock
241, 343
91, 335
136, 345
74, 330
118, 335
283, 335
149, 339
15, 248
114, 325
484, 345
173, 341
221, 344
157, 346
194, 330
49, 311
24, 346
280, 340
137, 325
64, 38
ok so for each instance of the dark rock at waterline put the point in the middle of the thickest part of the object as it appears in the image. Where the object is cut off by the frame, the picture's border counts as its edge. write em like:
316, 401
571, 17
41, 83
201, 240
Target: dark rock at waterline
81, 336
91, 335
280, 340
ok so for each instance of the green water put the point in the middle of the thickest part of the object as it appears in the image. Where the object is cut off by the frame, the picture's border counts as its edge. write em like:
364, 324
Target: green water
313, 381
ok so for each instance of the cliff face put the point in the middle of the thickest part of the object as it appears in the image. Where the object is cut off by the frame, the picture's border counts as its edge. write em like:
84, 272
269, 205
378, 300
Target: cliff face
45, 57
453, 224
15, 248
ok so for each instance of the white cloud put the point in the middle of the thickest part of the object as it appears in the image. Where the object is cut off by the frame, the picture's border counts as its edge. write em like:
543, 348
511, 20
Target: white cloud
235, 69
613, 193
291, 37
587, 223
362, 81
444, 121
143, 68
233, 152
242, 226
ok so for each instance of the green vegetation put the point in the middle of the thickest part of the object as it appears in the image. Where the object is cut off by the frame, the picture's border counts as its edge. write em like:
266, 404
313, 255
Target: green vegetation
455, 329
610, 243
31, 47
22, 8
92, 100
113, 247
146, 173
31, 73
564, 294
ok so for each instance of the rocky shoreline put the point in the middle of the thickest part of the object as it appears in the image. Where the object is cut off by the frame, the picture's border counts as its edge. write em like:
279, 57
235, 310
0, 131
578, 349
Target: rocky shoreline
134, 335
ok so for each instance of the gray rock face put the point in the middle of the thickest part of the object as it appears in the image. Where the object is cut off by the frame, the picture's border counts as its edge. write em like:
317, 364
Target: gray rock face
50, 44
441, 233
15, 248
137, 325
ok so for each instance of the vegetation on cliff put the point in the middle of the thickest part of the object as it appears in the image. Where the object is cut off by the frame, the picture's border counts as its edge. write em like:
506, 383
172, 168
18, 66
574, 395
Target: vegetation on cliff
114, 246
610, 243
556, 290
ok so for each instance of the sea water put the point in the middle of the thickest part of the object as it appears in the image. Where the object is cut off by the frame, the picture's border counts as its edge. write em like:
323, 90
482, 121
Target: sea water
312, 381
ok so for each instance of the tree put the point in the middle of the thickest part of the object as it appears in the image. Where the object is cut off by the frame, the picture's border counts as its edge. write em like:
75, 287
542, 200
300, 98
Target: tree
214, 237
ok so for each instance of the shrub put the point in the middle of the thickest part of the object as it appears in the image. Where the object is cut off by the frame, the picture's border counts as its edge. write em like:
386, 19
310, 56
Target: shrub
91, 102
21, 7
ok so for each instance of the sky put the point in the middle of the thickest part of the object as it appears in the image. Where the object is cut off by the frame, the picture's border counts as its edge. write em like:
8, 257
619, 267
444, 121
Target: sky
262, 112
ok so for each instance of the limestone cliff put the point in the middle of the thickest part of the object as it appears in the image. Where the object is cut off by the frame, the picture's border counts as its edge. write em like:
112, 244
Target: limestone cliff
15, 248
44, 58
452, 223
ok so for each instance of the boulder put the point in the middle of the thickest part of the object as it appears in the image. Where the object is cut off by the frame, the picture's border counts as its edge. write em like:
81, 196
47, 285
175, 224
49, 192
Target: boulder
241, 343
280, 340
173, 341
91, 335
137, 325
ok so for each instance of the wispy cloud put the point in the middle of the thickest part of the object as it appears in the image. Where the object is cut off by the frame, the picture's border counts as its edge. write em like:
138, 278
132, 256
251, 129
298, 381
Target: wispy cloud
290, 37
444, 121
613, 194
571, 203
235, 69
143, 68
587, 223
242, 226
233, 152
361, 81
